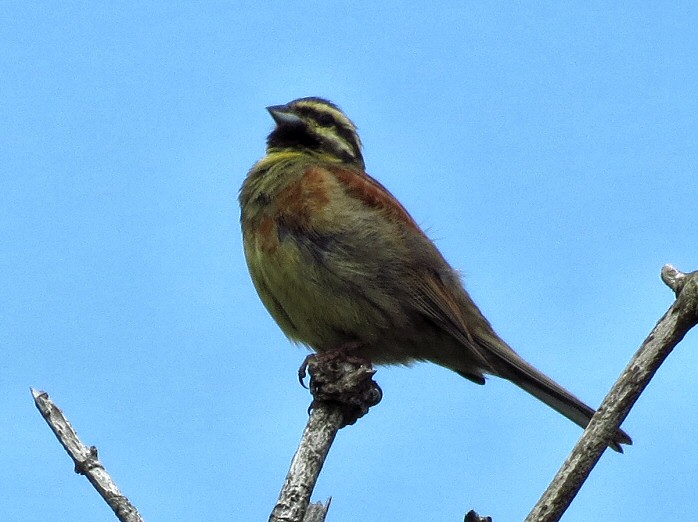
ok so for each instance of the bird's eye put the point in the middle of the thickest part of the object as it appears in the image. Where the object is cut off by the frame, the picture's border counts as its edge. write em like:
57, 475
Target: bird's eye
324, 119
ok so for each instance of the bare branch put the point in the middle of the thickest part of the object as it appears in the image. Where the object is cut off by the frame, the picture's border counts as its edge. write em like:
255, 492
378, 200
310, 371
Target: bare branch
343, 391
671, 328
85, 459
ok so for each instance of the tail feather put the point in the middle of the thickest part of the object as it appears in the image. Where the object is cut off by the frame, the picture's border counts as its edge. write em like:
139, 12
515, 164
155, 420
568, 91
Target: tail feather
508, 364
567, 404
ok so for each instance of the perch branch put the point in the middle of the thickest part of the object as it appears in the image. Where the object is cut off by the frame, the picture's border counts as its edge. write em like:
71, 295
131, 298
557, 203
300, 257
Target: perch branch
671, 328
343, 391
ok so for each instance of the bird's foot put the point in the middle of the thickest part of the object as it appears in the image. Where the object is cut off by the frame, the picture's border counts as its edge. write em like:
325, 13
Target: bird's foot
342, 352
344, 379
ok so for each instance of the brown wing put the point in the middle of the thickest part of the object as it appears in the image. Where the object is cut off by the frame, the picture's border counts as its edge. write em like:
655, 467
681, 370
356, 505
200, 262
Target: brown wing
432, 296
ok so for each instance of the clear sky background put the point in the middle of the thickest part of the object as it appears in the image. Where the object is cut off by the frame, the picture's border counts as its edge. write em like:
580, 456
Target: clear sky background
549, 149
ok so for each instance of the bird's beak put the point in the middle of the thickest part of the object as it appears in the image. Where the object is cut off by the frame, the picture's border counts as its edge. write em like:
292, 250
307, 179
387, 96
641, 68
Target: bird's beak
283, 116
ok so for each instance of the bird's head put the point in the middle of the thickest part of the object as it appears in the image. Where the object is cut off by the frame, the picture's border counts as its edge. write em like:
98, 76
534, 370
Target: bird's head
317, 126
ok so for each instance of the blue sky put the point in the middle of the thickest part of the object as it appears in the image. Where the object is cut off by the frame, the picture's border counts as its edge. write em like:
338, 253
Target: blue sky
549, 149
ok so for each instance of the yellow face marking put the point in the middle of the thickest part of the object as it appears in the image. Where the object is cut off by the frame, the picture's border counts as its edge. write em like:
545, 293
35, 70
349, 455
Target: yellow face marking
331, 125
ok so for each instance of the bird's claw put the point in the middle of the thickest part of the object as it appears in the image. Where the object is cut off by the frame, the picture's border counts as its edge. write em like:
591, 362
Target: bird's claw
303, 370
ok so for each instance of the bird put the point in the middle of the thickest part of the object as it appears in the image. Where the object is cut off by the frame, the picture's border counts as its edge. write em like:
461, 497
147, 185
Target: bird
339, 263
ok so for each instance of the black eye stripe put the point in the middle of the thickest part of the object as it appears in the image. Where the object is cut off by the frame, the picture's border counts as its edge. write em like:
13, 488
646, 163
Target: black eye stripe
322, 118
325, 119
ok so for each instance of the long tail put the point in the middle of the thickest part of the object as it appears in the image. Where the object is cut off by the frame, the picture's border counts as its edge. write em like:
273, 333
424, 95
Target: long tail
508, 364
